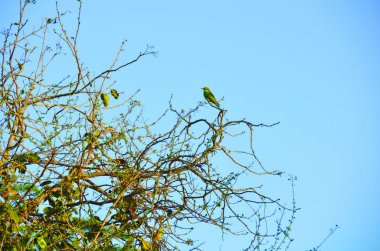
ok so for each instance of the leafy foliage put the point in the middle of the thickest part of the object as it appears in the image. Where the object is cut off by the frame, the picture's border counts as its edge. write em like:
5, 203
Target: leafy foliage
114, 93
105, 98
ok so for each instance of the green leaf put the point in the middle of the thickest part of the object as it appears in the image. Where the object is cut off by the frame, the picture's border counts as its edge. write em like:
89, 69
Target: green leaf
114, 93
31, 158
128, 244
24, 187
159, 234
41, 242
97, 218
105, 98
145, 246
47, 210
12, 213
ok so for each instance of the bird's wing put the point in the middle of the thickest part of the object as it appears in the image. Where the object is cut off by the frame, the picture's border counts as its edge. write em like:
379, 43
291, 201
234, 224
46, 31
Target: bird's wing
213, 99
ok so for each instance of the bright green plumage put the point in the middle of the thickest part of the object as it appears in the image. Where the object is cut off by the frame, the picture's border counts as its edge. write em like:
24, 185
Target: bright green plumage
209, 96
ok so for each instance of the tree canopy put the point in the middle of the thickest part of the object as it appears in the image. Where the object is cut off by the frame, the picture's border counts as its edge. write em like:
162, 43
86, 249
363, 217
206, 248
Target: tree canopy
76, 176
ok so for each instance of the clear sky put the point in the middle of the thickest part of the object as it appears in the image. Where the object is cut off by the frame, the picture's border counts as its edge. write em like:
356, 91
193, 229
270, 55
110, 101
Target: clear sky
313, 65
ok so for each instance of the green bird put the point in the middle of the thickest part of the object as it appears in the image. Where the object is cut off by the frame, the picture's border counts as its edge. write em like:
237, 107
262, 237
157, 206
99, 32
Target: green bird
209, 96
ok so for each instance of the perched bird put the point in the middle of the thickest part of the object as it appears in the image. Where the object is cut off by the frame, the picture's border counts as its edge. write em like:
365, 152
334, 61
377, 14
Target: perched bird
209, 96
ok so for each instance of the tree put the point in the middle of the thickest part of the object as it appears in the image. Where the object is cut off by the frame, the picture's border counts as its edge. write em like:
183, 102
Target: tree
73, 177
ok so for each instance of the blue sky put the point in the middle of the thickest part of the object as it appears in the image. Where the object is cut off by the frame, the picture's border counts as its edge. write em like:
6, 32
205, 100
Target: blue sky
313, 65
